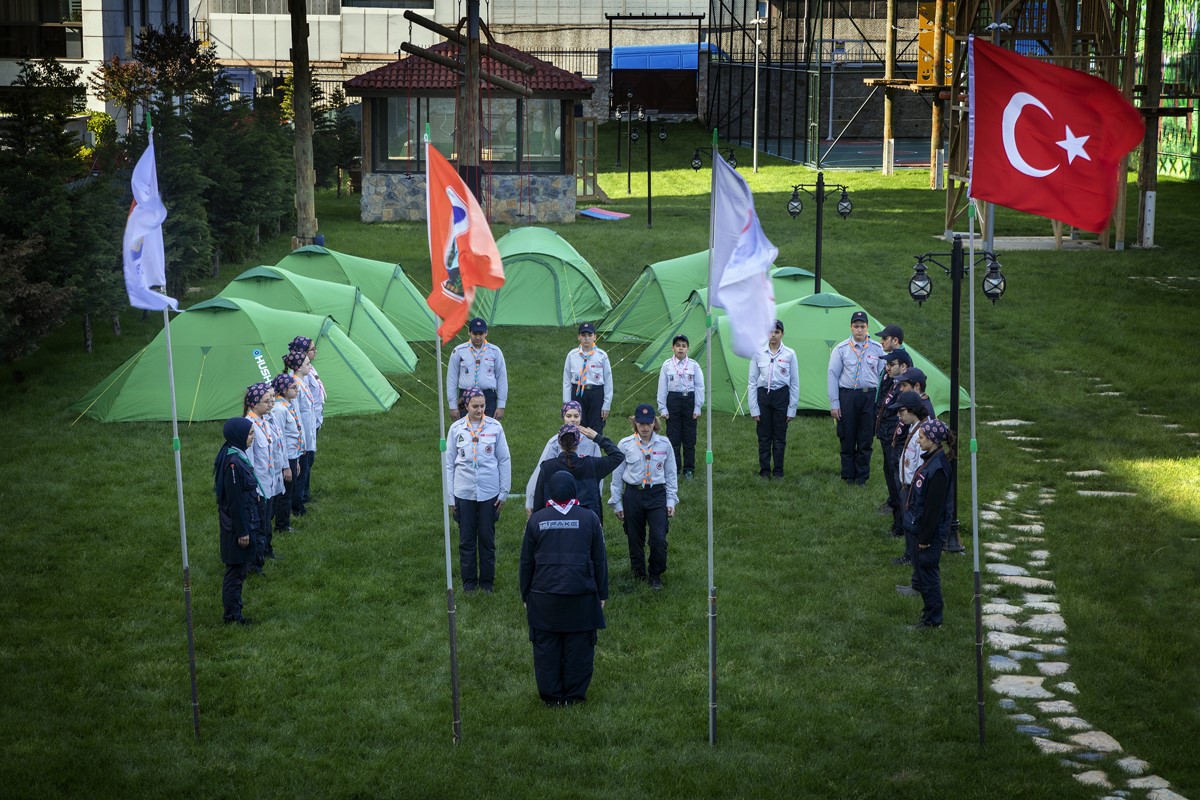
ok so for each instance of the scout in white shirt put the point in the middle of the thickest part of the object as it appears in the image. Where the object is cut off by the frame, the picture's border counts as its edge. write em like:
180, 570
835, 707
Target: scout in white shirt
680, 398
587, 379
645, 491
477, 364
773, 392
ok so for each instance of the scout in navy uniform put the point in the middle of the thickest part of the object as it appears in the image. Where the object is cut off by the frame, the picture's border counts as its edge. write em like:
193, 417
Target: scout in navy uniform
259, 400
680, 398
477, 364
927, 516
854, 367
316, 393
645, 491
911, 412
564, 585
587, 379
478, 476
587, 471
774, 393
914, 380
239, 513
886, 425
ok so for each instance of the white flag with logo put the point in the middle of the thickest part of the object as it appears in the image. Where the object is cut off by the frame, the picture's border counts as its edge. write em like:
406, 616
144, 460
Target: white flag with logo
142, 250
742, 257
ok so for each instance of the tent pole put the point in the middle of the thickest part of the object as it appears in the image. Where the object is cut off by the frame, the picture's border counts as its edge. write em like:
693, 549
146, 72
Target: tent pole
456, 722
708, 464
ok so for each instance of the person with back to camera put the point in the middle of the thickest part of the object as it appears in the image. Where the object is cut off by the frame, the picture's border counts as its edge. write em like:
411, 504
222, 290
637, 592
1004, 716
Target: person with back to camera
239, 513
588, 471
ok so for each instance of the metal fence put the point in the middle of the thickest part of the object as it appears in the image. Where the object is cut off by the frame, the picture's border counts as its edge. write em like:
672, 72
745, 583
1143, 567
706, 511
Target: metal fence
580, 61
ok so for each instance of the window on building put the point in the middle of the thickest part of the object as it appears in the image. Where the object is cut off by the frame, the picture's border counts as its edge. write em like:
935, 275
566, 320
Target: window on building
318, 8
41, 29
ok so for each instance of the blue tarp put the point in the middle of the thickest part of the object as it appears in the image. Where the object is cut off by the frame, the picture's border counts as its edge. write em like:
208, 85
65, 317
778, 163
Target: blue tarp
659, 56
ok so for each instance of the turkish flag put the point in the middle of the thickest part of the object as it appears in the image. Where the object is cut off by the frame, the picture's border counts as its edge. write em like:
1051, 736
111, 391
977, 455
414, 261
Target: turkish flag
462, 250
1045, 139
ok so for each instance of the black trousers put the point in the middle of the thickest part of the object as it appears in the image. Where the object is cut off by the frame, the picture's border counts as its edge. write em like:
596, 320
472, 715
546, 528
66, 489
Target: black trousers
300, 488
891, 467
646, 508
856, 429
681, 428
307, 459
928, 578
231, 590
592, 401
477, 542
262, 542
283, 503
563, 664
772, 430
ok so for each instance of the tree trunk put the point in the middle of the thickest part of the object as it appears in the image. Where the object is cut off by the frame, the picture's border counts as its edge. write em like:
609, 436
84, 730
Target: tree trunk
339, 183
306, 210
116, 323
87, 332
216, 262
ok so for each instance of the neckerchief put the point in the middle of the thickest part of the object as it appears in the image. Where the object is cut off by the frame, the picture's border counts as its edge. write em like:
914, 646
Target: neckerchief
317, 378
478, 356
581, 380
296, 419
647, 452
261, 424
680, 373
475, 432
562, 509
859, 354
771, 367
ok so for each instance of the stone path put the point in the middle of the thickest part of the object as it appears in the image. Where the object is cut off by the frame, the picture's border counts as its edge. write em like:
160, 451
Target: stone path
1026, 635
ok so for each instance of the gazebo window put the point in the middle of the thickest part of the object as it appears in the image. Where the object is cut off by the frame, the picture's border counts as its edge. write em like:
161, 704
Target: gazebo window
517, 136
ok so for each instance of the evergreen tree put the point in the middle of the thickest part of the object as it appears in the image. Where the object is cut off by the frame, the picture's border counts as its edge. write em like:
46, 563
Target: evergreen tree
29, 308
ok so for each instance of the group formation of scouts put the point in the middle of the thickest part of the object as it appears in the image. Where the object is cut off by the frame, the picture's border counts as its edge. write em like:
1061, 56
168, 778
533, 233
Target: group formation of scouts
262, 473
874, 393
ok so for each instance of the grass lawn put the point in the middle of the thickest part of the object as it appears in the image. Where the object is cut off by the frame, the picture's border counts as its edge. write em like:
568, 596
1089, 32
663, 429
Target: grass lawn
343, 689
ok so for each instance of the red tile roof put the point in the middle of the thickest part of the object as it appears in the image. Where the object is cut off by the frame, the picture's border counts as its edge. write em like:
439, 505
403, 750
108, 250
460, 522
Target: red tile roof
416, 74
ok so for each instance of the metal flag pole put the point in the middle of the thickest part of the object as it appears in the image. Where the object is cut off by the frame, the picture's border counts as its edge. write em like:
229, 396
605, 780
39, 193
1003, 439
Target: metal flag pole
975, 491
708, 462
456, 722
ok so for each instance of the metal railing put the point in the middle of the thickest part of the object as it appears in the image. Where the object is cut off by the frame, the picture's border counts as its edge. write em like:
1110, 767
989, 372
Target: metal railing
580, 61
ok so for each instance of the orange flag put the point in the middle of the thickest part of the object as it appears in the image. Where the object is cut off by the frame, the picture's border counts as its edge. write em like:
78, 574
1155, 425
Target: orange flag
461, 248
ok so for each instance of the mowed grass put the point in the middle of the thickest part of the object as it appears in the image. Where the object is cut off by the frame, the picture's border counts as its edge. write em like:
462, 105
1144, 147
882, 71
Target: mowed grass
343, 689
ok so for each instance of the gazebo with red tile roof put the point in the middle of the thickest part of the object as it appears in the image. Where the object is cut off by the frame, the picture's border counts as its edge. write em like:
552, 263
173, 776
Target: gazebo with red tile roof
527, 153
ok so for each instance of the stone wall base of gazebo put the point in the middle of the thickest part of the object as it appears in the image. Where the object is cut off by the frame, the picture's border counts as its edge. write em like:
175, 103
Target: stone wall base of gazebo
507, 199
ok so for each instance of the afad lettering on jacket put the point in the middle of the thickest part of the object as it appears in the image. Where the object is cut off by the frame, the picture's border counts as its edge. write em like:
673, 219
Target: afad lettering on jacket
557, 524
262, 364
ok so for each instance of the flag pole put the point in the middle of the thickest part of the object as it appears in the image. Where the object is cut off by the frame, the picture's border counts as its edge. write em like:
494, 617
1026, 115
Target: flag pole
451, 612
708, 462
980, 710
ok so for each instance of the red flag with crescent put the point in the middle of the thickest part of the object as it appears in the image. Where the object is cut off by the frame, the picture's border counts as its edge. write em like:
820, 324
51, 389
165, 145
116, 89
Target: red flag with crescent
1045, 139
462, 250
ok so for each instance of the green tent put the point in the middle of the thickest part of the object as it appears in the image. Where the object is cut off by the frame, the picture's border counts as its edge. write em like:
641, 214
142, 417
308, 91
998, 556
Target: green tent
656, 299
813, 325
384, 284
361, 319
546, 283
790, 283
220, 347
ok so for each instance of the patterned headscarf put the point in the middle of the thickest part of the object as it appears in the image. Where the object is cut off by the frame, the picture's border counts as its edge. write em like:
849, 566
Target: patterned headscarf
467, 394
300, 343
294, 359
935, 430
282, 383
570, 432
256, 392
571, 404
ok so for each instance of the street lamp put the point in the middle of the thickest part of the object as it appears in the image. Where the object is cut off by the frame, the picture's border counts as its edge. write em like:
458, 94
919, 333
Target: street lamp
635, 136
626, 111
920, 287
698, 160
819, 191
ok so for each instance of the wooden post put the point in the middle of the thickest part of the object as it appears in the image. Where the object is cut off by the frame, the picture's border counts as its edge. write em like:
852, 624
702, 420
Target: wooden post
889, 64
939, 75
306, 209
1148, 168
467, 137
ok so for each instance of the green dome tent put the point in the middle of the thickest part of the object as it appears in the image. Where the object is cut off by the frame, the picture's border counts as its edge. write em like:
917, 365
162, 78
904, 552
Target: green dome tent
813, 325
361, 319
220, 347
656, 299
384, 284
546, 283
790, 283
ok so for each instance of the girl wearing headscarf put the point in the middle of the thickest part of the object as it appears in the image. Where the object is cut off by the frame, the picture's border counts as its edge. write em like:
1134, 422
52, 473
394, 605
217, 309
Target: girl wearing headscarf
927, 515
303, 344
297, 362
478, 475
259, 400
564, 585
572, 414
587, 471
287, 421
239, 513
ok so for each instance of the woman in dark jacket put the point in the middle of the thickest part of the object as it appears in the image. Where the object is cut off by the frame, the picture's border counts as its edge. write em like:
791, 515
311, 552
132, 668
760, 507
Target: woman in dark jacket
564, 585
587, 471
927, 516
239, 512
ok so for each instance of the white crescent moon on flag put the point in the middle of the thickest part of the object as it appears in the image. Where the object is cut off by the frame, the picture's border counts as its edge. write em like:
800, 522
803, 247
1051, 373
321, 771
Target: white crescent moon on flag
1012, 112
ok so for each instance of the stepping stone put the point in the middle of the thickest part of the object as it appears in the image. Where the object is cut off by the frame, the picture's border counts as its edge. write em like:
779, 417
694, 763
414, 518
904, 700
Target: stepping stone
1053, 667
991, 587
1086, 473
1092, 757
1152, 416
1023, 686
1094, 740
1022, 717
1010, 496
1037, 564
1056, 707
1001, 608
1008, 423
1109, 394
997, 558
1030, 598
1072, 723
1004, 664
1033, 730
999, 622
1026, 582
1025, 655
1048, 746
1007, 641
1050, 649
1034, 528
1069, 764
1029, 449
1031, 539
989, 515
1132, 765
1047, 461
1067, 687
1040, 554
1006, 569
1009, 703
1046, 623
1094, 777
1172, 426
1084, 493
998, 546
1148, 782
1025, 438
1163, 794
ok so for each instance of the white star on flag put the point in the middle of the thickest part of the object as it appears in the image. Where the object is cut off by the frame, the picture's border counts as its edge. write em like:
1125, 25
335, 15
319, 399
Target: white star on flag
1074, 146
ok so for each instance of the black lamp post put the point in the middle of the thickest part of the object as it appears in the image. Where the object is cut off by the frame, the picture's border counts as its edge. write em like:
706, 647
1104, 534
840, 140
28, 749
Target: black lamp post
920, 287
626, 111
633, 137
819, 191
700, 152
